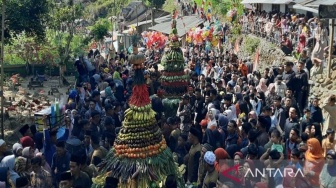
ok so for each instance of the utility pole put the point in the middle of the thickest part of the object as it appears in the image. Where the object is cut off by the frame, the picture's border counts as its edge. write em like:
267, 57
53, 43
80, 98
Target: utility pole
331, 42
2, 65
152, 14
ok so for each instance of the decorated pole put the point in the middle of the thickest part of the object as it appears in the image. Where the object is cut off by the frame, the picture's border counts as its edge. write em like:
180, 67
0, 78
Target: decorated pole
140, 157
173, 79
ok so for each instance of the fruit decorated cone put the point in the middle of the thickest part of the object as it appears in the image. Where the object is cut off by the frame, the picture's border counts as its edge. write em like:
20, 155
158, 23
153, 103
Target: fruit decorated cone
140, 157
173, 79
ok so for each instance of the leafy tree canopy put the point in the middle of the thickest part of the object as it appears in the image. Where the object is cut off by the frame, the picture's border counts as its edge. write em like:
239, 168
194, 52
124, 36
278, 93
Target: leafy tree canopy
100, 29
29, 16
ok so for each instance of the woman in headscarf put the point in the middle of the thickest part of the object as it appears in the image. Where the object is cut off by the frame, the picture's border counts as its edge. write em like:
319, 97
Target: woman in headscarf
229, 115
270, 94
20, 167
28, 152
316, 132
262, 85
302, 43
44, 163
314, 162
220, 163
9, 162
212, 123
109, 94
102, 86
328, 173
252, 115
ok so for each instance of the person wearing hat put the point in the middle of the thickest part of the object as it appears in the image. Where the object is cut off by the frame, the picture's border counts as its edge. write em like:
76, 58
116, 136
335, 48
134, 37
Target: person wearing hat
22, 182
201, 168
39, 177
65, 180
184, 113
211, 175
60, 161
194, 138
79, 178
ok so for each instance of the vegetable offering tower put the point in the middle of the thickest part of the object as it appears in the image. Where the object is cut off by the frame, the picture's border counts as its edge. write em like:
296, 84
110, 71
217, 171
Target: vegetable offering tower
140, 157
174, 80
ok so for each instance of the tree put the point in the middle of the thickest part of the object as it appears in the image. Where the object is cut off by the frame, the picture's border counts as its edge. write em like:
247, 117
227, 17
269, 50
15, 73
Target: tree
155, 3
65, 20
29, 16
100, 29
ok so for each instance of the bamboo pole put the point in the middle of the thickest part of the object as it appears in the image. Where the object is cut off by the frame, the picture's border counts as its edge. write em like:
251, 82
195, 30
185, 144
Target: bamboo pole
3, 12
331, 42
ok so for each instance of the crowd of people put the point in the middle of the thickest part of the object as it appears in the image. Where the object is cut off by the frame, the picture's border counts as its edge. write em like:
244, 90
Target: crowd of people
293, 32
231, 116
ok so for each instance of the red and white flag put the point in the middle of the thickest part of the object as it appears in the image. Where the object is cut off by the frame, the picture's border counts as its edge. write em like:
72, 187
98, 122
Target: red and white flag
256, 60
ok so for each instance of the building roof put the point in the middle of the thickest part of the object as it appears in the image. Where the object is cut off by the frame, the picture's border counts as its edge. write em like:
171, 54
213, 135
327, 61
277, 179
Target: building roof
254, 1
182, 25
165, 18
302, 7
320, 2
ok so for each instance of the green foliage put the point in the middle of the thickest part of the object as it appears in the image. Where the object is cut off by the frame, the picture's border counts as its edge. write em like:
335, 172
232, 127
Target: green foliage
65, 14
251, 44
13, 59
100, 29
65, 24
169, 6
29, 16
104, 8
235, 33
155, 3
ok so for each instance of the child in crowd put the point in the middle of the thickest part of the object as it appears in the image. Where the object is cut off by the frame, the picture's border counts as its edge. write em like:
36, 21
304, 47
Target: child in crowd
328, 143
276, 141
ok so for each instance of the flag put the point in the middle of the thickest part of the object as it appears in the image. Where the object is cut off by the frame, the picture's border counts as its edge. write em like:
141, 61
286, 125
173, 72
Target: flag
256, 60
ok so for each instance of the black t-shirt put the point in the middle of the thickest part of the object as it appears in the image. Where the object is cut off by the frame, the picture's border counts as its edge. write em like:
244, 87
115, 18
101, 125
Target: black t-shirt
80, 67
